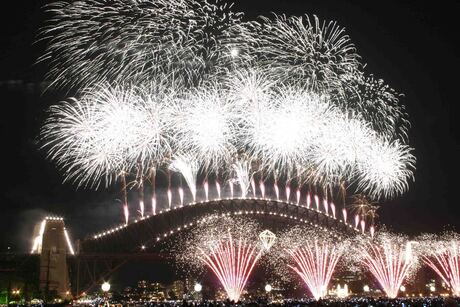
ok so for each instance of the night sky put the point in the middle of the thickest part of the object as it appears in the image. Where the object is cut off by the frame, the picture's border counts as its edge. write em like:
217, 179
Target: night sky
413, 46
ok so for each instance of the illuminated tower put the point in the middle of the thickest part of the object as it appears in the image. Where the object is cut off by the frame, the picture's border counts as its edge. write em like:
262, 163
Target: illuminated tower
51, 241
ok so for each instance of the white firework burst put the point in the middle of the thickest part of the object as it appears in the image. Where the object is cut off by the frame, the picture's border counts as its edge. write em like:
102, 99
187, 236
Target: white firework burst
385, 168
205, 125
302, 47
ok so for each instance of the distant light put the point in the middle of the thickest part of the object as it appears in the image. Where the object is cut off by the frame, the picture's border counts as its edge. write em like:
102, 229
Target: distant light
366, 288
268, 288
402, 288
234, 52
105, 287
198, 287
143, 247
432, 289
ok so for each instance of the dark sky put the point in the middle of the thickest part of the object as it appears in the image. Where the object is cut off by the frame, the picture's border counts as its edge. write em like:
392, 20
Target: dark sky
412, 45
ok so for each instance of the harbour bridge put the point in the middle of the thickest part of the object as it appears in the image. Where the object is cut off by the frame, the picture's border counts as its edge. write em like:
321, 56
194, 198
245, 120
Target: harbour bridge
97, 256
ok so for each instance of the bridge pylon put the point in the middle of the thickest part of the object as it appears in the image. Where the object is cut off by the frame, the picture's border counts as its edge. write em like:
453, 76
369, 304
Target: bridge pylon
53, 245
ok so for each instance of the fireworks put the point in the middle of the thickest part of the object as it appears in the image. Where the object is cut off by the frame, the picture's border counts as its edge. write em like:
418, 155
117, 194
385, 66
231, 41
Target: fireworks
187, 86
188, 167
386, 168
304, 48
389, 258
204, 124
104, 133
230, 248
364, 208
243, 175
92, 41
442, 254
313, 255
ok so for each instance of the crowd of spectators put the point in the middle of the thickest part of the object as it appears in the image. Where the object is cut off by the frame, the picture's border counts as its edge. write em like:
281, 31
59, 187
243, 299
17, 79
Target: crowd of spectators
349, 302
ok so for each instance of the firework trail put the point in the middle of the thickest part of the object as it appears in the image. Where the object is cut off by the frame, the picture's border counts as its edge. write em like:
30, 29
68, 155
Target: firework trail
344, 215
152, 176
125, 197
218, 189
188, 167
230, 183
181, 196
230, 248
312, 254
442, 254
389, 258
140, 185
243, 174
262, 188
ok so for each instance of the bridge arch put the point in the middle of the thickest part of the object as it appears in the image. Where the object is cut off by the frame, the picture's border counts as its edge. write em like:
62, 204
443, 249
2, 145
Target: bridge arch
143, 233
